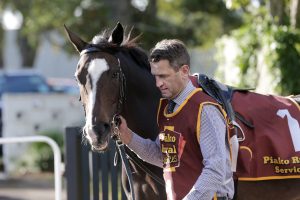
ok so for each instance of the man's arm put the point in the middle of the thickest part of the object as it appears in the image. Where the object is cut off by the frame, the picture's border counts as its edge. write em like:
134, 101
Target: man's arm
146, 149
213, 148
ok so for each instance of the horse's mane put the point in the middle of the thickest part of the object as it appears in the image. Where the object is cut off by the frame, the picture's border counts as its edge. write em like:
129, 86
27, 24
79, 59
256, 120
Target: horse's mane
129, 45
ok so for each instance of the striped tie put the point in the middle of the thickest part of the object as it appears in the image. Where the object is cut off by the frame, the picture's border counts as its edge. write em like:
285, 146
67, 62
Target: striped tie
171, 106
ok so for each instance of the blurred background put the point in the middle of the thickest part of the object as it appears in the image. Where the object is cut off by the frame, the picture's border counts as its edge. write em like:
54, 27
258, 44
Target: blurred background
243, 43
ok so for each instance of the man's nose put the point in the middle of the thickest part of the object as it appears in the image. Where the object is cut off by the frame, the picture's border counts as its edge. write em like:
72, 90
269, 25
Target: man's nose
159, 83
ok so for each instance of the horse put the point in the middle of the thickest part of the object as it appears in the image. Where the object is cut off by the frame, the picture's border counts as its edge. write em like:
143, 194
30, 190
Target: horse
114, 77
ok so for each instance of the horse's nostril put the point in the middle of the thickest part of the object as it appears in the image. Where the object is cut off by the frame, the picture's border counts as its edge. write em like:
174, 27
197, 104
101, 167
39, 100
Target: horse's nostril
101, 128
106, 126
98, 128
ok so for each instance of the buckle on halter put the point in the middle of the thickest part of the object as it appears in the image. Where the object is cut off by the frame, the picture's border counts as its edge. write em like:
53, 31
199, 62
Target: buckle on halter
116, 121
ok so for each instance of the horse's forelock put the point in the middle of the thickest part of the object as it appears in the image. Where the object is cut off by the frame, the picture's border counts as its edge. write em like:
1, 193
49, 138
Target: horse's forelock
129, 44
103, 39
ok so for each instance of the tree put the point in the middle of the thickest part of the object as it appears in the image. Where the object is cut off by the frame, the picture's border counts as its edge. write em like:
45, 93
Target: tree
268, 46
1, 37
37, 21
196, 22
294, 14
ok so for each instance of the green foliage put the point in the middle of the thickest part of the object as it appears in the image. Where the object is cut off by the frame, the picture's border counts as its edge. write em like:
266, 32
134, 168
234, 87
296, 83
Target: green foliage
288, 57
238, 4
196, 22
40, 155
281, 52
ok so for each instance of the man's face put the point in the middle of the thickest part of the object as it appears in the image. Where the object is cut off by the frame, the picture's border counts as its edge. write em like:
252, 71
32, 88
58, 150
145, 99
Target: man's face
169, 81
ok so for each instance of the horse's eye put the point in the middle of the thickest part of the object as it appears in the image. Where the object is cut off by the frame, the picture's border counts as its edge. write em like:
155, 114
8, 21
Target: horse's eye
79, 98
115, 75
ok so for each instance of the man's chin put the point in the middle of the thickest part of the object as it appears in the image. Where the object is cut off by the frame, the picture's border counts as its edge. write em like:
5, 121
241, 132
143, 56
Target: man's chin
165, 95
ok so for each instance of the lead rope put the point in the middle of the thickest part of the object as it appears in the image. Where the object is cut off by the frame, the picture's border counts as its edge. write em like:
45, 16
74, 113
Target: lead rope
120, 147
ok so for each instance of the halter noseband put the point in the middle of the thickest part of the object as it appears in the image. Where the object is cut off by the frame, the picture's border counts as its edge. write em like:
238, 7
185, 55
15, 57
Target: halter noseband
122, 97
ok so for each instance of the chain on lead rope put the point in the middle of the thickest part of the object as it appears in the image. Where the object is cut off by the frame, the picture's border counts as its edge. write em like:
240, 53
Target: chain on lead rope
116, 121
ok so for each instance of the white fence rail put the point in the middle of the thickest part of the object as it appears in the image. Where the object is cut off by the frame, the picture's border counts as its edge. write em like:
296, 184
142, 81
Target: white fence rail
57, 157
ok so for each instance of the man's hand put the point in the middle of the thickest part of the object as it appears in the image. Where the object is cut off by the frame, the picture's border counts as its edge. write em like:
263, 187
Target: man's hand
125, 132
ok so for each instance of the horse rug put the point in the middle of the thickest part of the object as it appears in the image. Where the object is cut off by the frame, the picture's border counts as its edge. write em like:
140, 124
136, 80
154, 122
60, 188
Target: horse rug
271, 148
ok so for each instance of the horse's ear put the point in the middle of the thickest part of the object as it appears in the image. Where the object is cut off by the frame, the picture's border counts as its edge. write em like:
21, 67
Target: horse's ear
77, 42
117, 34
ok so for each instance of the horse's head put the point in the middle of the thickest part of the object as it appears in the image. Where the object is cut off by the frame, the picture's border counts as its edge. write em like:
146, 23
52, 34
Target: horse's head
101, 82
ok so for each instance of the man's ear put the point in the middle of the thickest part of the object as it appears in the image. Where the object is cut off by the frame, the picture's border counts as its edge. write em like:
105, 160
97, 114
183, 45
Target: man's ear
185, 70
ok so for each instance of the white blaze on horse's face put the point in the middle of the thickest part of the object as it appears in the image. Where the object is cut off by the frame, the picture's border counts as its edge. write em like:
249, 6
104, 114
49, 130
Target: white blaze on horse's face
95, 69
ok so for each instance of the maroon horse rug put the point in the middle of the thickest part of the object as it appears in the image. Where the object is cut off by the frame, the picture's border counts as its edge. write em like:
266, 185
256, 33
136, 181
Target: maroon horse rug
271, 148
268, 131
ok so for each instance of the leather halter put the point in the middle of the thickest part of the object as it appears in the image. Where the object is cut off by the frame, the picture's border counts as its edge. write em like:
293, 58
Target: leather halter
122, 97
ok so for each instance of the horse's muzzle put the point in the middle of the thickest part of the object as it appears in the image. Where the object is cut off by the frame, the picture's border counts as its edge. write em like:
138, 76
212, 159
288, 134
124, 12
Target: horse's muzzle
98, 136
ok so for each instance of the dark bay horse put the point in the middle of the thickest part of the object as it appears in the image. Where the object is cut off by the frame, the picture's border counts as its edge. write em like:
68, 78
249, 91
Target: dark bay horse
114, 77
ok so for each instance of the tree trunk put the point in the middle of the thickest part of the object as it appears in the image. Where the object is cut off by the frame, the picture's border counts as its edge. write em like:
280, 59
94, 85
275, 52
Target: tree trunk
1, 48
27, 52
152, 8
276, 9
294, 15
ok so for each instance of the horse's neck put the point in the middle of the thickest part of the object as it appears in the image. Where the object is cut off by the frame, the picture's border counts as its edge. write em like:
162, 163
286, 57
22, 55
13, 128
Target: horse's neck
140, 109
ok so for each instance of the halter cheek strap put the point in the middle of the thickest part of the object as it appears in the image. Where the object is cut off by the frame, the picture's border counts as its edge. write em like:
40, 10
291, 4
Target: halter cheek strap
122, 97
122, 88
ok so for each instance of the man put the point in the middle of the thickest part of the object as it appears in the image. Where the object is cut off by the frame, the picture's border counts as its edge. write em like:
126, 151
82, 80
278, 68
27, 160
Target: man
192, 146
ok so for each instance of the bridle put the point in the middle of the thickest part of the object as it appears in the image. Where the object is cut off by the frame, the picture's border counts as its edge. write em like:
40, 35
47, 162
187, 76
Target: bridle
116, 119
122, 92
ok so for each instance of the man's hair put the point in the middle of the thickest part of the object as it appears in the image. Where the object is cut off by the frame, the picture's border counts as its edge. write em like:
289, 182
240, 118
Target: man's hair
172, 50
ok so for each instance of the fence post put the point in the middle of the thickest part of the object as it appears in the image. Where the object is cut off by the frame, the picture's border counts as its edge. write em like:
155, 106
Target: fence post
113, 172
76, 159
78, 171
95, 173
